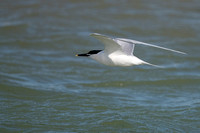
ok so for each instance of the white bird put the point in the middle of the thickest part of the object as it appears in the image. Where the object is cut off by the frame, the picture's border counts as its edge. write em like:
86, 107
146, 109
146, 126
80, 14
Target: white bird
119, 51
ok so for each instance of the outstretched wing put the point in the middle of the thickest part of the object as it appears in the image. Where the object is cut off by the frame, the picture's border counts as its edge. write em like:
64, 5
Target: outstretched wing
113, 45
109, 43
126, 47
147, 44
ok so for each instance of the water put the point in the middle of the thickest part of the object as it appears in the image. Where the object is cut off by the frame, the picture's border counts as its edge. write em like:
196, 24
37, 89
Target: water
45, 88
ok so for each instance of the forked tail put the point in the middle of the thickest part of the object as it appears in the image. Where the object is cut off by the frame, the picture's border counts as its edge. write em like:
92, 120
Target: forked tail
153, 65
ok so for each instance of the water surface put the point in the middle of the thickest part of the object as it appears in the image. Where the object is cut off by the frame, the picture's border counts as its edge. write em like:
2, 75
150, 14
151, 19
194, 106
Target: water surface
45, 88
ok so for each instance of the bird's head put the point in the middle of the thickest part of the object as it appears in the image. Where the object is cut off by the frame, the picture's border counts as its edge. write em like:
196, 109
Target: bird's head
92, 52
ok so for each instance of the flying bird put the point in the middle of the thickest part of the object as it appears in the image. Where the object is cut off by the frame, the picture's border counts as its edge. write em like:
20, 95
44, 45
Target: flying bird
119, 51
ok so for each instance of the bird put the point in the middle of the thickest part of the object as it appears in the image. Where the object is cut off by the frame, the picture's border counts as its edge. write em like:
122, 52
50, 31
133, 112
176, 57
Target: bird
119, 51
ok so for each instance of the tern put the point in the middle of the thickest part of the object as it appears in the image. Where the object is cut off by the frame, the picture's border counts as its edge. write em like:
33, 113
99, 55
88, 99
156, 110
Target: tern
119, 51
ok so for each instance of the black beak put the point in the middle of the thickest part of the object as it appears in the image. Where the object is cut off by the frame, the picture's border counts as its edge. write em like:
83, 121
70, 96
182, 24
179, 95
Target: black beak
83, 55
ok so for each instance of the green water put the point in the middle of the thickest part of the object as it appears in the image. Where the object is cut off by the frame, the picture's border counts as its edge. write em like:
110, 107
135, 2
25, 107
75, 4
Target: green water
44, 87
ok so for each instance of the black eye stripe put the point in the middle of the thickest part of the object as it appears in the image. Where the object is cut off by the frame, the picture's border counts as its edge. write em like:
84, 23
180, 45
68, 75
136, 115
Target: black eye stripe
94, 52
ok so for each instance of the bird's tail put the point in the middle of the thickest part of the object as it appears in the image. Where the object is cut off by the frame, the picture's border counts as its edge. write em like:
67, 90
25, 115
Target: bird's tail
152, 65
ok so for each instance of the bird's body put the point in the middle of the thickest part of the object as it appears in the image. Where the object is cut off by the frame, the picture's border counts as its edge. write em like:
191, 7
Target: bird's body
116, 59
119, 51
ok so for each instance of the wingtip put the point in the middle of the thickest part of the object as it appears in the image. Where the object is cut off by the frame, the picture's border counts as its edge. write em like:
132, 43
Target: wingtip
97, 34
180, 52
184, 53
94, 34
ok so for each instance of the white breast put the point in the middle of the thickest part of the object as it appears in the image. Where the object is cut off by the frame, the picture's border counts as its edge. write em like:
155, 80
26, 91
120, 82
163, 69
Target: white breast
103, 58
125, 60
116, 59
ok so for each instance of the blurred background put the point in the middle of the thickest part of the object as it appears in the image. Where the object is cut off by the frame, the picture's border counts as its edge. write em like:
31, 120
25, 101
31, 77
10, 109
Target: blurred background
45, 88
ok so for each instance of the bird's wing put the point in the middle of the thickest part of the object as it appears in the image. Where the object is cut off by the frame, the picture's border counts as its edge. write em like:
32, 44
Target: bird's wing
113, 45
147, 44
109, 43
126, 47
